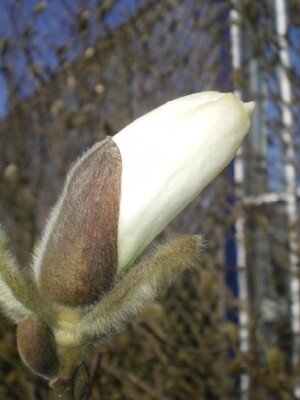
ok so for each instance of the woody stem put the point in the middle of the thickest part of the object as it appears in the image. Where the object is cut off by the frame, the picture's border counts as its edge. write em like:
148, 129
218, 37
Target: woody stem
63, 388
72, 381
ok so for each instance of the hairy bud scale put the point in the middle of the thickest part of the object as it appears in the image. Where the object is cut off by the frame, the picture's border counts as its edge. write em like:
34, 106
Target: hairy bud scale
80, 258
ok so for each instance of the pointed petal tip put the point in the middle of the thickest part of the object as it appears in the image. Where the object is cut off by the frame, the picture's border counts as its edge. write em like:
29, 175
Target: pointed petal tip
249, 107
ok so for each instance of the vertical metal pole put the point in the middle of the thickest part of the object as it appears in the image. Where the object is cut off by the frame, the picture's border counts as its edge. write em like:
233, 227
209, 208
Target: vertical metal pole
290, 178
240, 221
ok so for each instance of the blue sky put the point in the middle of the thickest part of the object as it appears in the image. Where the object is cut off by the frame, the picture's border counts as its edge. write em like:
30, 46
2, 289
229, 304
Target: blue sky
52, 27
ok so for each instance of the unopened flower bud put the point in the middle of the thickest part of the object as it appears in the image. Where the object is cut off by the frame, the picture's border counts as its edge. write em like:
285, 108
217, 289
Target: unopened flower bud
123, 191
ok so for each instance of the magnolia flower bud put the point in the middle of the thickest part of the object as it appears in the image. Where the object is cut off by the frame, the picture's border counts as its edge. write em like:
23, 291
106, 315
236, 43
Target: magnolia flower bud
122, 192
117, 197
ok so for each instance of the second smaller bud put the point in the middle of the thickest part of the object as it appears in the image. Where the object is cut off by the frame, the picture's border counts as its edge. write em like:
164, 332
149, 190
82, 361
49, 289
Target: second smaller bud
37, 348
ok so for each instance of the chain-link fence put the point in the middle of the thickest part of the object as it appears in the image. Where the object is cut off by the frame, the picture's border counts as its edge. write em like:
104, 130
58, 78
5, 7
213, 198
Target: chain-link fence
74, 72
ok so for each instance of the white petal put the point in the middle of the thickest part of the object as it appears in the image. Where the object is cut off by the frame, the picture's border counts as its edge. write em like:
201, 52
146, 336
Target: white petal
168, 157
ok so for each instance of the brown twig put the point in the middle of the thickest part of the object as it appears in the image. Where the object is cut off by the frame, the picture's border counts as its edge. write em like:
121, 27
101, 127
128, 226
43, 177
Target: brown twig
63, 389
72, 383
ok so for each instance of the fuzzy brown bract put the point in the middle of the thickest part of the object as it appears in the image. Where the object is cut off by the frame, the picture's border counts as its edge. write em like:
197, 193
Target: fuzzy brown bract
80, 258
